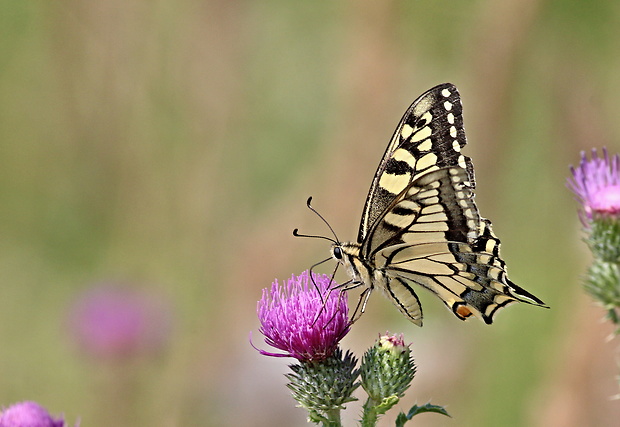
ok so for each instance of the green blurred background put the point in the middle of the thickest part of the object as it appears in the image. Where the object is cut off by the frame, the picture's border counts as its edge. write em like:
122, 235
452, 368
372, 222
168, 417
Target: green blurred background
174, 143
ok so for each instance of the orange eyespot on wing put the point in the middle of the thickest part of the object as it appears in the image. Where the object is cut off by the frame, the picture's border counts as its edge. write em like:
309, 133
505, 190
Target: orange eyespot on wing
463, 312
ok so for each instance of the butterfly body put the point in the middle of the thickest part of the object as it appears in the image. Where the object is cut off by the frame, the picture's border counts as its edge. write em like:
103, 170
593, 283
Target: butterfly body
420, 225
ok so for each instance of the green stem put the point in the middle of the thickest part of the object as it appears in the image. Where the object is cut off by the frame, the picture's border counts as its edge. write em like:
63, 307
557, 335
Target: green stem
370, 415
333, 418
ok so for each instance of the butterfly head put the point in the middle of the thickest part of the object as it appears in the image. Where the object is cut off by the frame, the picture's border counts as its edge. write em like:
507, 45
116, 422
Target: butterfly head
348, 255
344, 251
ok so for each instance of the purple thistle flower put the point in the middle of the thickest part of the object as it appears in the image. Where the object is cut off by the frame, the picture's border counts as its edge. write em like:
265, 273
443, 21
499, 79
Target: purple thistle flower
28, 414
596, 183
297, 320
113, 322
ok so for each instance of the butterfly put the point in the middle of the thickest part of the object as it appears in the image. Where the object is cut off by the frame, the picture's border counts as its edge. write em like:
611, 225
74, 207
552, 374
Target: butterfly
420, 225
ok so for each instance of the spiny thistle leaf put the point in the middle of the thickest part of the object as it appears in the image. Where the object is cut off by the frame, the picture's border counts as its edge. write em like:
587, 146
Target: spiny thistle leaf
402, 418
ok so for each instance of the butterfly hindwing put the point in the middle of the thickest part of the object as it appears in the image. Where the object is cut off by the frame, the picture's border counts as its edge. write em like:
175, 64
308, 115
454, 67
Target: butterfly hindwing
427, 223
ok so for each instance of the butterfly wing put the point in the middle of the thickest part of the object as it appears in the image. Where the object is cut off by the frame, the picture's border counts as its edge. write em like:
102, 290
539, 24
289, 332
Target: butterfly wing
429, 136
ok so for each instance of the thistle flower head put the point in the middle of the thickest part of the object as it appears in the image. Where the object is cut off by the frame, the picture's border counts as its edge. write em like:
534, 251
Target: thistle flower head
596, 183
305, 322
28, 414
387, 368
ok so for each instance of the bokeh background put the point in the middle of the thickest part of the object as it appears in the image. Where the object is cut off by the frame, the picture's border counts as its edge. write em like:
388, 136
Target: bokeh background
170, 146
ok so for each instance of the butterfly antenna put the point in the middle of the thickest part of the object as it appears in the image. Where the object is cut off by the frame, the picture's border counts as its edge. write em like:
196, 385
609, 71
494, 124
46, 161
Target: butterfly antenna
297, 234
308, 203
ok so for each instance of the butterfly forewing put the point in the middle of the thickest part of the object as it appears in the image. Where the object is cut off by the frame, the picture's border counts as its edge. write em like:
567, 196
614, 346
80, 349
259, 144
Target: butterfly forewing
420, 225
429, 136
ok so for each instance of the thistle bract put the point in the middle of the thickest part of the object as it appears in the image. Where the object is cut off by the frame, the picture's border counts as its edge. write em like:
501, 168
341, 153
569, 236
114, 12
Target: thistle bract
325, 386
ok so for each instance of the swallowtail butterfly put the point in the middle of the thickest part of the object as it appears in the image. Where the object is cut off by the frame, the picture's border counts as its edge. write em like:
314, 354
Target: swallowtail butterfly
420, 225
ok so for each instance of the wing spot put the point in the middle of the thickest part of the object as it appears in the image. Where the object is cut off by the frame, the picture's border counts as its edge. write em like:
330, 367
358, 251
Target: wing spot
469, 213
462, 162
494, 274
447, 105
456, 146
450, 118
399, 221
394, 183
431, 209
422, 106
453, 131
427, 161
428, 194
406, 131
426, 118
403, 155
446, 93
421, 134
463, 312
426, 145
484, 259
408, 204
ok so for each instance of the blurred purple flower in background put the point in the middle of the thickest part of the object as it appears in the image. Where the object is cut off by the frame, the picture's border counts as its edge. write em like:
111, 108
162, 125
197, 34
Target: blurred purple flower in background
596, 183
114, 321
28, 414
298, 320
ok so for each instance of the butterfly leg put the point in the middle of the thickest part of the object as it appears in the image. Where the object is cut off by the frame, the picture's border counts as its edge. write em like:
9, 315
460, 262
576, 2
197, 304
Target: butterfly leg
329, 289
361, 304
